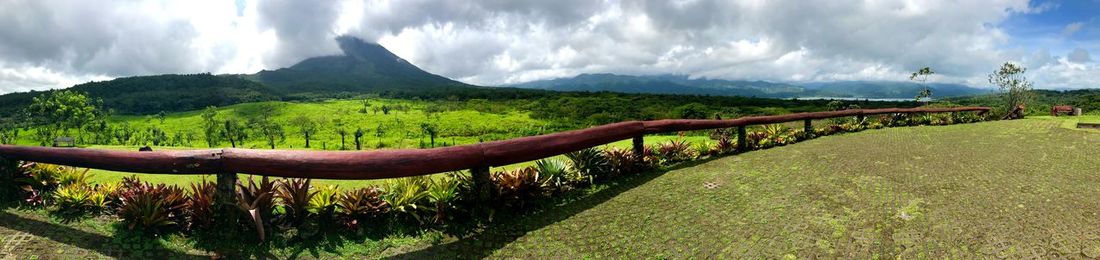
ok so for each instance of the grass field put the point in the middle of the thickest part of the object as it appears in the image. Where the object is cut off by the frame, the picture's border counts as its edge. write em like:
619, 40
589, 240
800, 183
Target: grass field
400, 128
1016, 189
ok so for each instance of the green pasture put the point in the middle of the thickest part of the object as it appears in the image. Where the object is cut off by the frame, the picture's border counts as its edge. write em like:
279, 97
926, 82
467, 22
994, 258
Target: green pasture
1004, 189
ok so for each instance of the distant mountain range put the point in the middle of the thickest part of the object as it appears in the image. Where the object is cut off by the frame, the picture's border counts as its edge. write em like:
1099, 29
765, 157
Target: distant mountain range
677, 84
365, 67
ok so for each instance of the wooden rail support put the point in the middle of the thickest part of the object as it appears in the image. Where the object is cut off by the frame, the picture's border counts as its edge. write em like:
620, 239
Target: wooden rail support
225, 189
808, 128
741, 141
639, 147
481, 183
226, 211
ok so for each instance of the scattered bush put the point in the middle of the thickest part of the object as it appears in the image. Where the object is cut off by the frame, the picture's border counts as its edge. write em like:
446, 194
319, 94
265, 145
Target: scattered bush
295, 195
359, 204
406, 197
553, 174
675, 151
257, 200
589, 164
200, 206
442, 193
153, 208
517, 187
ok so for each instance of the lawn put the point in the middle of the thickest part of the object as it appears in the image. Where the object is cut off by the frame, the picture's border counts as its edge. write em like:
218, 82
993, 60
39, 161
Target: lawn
1018, 189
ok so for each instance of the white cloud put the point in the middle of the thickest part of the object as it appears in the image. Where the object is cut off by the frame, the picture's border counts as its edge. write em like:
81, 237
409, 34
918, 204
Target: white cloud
1072, 28
53, 43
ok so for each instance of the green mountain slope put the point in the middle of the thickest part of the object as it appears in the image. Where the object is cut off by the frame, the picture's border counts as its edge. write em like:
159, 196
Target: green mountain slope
363, 67
152, 94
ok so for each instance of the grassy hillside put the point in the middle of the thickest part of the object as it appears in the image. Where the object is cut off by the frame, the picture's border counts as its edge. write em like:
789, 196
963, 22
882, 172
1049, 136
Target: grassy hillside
1006, 189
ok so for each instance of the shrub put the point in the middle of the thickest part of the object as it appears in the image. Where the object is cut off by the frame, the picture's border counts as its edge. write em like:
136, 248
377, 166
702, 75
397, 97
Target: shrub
200, 206
406, 196
151, 207
257, 200
442, 193
358, 204
73, 200
71, 176
589, 164
295, 196
675, 151
553, 174
725, 145
516, 187
323, 203
622, 161
756, 140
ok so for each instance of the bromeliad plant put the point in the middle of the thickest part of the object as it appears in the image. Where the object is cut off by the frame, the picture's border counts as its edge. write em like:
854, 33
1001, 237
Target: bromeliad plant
295, 195
554, 175
590, 164
675, 151
153, 208
359, 204
323, 203
200, 206
407, 197
517, 187
257, 200
442, 193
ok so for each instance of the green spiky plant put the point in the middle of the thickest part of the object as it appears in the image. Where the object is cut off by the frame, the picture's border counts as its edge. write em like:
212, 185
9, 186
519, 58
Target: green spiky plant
73, 200
442, 194
257, 200
359, 204
295, 195
406, 197
200, 206
152, 208
517, 187
590, 164
553, 174
675, 151
323, 202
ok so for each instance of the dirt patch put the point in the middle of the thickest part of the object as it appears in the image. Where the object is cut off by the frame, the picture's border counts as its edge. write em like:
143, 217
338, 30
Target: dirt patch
1088, 125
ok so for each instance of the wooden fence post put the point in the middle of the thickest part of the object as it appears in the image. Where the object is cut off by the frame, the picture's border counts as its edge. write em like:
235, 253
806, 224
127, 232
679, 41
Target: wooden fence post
481, 183
225, 191
226, 211
741, 142
807, 128
639, 147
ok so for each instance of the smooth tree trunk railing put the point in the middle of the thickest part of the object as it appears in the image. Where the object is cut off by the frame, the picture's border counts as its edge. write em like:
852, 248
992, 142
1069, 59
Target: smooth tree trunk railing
381, 164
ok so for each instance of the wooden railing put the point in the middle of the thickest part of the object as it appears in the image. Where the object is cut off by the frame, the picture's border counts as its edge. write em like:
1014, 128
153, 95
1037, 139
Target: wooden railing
380, 164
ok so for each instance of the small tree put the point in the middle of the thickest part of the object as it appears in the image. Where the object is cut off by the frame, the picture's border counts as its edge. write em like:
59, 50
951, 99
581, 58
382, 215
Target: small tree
161, 116
57, 112
306, 126
210, 126
271, 131
234, 131
922, 76
430, 130
380, 132
338, 127
157, 136
1015, 89
358, 134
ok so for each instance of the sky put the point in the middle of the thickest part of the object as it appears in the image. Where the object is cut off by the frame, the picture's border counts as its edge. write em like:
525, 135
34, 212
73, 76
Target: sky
51, 44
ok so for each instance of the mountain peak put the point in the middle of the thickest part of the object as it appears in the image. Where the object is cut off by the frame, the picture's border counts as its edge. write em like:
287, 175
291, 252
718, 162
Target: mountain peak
363, 67
366, 51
